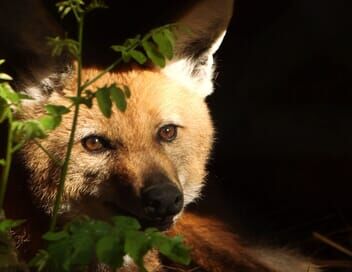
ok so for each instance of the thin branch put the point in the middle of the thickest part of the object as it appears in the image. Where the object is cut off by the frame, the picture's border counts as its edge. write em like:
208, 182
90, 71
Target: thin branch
58, 162
332, 243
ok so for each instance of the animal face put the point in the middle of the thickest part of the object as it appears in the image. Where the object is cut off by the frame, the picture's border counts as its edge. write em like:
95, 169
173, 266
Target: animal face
148, 161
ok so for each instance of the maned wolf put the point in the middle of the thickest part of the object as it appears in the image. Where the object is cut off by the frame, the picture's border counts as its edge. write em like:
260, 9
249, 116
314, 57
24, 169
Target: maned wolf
148, 162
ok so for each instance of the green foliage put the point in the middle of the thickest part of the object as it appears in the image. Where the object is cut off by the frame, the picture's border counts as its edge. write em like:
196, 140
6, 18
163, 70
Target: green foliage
58, 45
78, 7
65, 7
84, 240
157, 46
108, 94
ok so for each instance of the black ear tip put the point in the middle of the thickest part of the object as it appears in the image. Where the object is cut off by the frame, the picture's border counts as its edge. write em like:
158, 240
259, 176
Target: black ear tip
206, 21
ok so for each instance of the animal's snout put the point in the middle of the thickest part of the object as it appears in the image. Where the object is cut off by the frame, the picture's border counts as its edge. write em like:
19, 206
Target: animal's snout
162, 200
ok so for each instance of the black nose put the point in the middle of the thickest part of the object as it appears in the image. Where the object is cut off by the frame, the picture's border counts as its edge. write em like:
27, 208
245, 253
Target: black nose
161, 200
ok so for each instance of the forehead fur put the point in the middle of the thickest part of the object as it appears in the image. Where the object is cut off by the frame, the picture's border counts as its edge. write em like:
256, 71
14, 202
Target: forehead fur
155, 100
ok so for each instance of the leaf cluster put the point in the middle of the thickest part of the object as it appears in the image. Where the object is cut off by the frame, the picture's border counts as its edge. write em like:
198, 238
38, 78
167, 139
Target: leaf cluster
157, 46
84, 240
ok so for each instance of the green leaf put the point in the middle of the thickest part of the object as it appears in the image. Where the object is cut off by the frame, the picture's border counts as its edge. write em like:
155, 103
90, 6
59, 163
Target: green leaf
104, 101
2, 61
8, 224
170, 36
56, 110
55, 236
58, 45
2, 162
119, 48
50, 122
138, 56
4, 109
83, 248
126, 223
153, 54
131, 42
96, 4
173, 248
137, 245
126, 57
28, 129
164, 44
87, 101
127, 91
59, 255
7, 93
4, 76
118, 96
110, 251
24, 96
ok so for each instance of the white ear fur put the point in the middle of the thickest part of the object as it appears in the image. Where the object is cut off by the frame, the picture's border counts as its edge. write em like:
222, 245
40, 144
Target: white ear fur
193, 64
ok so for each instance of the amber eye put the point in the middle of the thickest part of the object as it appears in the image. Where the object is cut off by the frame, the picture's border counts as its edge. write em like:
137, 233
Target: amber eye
167, 133
95, 143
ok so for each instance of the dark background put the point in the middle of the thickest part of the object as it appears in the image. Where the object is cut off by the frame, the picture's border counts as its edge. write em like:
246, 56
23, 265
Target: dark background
282, 164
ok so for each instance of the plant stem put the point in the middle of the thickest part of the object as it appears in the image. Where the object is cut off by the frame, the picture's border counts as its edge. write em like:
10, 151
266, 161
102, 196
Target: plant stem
108, 69
8, 160
73, 130
51, 156
118, 61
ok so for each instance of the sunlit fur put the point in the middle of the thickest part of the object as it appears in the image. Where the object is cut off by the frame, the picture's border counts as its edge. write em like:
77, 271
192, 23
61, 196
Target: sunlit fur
94, 178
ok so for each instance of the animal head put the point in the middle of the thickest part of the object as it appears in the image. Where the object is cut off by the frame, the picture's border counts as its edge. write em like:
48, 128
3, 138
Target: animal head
148, 161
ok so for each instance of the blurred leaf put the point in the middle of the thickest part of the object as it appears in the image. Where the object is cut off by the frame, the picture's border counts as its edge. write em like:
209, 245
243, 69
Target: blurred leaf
173, 248
55, 236
8, 94
56, 110
110, 251
8, 224
119, 48
126, 57
65, 7
96, 4
28, 129
118, 96
127, 91
136, 246
104, 101
59, 255
126, 223
138, 56
87, 101
4, 76
58, 45
49, 122
170, 36
131, 42
4, 109
153, 54
2, 61
2, 162
164, 44
83, 248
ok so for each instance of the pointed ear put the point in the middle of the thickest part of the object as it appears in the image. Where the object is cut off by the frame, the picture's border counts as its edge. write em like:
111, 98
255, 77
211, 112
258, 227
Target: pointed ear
207, 21
23, 43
